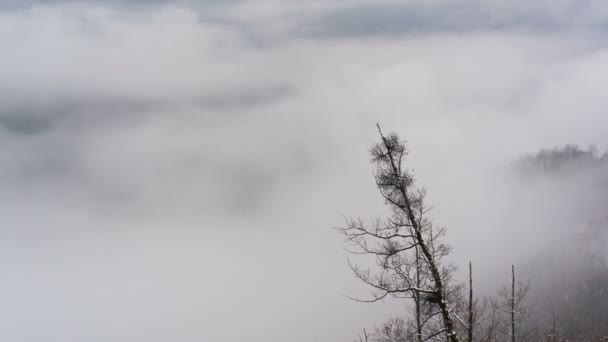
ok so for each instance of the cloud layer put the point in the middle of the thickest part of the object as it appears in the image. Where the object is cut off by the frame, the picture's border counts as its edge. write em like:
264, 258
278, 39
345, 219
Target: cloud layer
171, 171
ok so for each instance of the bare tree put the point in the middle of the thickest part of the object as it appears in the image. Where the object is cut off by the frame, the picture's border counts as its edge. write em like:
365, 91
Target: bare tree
488, 322
364, 337
417, 297
470, 323
511, 302
406, 246
396, 330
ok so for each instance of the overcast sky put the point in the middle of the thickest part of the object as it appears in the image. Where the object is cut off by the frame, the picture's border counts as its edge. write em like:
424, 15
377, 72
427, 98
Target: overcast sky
171, 171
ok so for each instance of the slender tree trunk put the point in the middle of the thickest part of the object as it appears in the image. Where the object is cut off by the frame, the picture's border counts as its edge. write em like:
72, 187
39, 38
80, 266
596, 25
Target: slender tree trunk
470, 302
513, 303
445, 295
553, 323
417, 299
439, 286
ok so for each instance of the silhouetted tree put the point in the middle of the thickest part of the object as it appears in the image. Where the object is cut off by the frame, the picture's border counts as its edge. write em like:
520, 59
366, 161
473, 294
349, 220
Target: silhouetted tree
511, 302
470, 316
407, 247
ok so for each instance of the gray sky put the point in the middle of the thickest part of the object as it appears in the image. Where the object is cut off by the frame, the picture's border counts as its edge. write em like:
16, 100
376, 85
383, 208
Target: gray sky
171, 171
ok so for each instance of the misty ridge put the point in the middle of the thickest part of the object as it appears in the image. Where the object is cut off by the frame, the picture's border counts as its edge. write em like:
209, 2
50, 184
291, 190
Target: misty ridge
572, 271
287, 170
566, 299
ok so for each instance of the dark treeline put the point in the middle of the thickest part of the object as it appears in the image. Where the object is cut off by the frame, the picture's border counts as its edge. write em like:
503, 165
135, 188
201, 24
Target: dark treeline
571, 282
568, 300
569, 159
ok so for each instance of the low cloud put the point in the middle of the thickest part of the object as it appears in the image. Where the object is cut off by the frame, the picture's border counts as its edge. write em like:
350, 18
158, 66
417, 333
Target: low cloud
171, 171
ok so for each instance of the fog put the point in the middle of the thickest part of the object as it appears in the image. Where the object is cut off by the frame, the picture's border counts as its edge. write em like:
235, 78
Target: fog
172, 171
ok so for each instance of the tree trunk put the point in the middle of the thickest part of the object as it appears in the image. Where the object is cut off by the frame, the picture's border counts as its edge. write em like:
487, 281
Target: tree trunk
470, 302
417, 299
513, 303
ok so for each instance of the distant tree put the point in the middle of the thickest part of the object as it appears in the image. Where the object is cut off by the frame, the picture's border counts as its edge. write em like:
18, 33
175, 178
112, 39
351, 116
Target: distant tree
562, 160
488, 324
554, 331
364, 337
406, 246
470, 308
396, 330
511, 302
570, 271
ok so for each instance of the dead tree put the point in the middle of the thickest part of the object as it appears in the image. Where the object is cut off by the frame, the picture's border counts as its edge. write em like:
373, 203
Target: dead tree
364, 337
406, 246
511, 303
417, 298
487, 322
396, 330
470, 323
